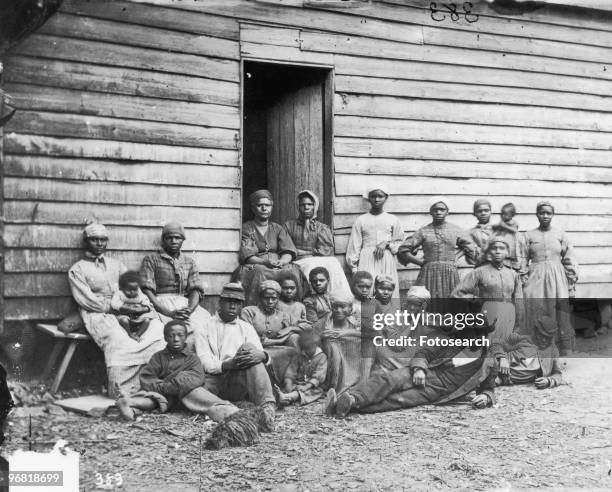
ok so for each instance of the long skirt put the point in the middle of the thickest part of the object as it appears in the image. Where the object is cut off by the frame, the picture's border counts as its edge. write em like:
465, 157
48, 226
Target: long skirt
440, 278
546, 293
124, 357
251, 276
504, 316
197, 321
344, 359
337, 278
387, 265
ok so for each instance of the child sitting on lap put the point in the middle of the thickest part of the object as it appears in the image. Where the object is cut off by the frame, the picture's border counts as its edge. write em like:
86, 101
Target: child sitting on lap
306, 373
134, 309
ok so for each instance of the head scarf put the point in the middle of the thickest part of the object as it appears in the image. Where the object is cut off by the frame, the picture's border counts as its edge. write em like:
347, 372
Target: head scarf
341, 297
384, 278
419, 292
173, 228
313, 197
497, 240
233, 290
269, 285
373, 187
479, 202
437, 199
95, 230
259, 194
544, 203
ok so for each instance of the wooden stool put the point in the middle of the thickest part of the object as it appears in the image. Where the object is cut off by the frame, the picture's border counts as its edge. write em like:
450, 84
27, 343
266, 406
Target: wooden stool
60, 341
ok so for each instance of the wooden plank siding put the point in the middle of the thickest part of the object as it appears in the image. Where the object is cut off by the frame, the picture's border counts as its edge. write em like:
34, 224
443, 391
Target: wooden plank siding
130, 115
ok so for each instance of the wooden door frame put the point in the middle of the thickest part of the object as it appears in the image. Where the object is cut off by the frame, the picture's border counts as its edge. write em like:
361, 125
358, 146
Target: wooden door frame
328, 131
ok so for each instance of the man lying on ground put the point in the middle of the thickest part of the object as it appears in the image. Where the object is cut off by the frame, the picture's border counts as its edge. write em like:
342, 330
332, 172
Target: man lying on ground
531, 359
437, 374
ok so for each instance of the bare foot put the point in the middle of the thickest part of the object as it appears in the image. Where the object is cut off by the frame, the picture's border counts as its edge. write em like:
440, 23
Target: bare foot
125, 410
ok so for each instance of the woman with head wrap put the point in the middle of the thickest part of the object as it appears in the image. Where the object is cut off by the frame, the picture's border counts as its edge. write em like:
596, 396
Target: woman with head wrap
508, 230
440, 242
265, 249
279, 335
553, 272
93, 281
171, 280
375, 238
314, 242
497, 289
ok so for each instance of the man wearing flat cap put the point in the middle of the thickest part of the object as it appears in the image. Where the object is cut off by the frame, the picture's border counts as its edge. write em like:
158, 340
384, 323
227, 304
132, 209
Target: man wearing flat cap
172, 282
232, 355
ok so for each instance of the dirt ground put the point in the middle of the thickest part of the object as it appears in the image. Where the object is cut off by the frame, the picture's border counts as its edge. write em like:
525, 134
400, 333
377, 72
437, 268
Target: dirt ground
559, 439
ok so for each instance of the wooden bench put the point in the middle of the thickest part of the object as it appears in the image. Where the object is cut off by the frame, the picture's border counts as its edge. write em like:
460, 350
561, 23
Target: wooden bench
60, 341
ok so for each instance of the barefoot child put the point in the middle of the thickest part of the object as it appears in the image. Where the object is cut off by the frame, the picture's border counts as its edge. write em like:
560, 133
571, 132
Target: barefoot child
287, 303
306, 374
134, 309
317, 304
172, 376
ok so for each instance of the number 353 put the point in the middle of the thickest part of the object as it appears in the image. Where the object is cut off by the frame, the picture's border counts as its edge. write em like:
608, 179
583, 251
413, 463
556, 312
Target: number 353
108, 480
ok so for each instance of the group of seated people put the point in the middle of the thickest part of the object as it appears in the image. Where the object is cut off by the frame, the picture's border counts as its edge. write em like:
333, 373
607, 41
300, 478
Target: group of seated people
291, 328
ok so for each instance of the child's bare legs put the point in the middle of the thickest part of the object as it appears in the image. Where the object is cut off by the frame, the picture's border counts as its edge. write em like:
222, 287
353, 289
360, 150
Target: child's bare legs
124, 321
127, 404
140, 328
286, 398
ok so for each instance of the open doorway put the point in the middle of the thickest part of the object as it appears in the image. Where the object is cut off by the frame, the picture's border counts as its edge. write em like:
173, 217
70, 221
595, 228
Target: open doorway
287, 136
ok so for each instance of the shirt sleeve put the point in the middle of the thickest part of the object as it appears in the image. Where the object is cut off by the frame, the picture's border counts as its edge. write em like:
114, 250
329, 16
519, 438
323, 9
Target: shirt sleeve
468, 287
194, 282
117, 301
410, 246
190, 377
325, 242
210, 361
147, 274
248, 245
466, 244
247, 315
151, 380
82, 293
285, 243
310, 308
353, 249
568, 258
397, 236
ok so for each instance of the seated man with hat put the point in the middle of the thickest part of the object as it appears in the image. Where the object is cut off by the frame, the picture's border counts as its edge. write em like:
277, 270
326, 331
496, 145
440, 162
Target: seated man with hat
171, 280
233, 357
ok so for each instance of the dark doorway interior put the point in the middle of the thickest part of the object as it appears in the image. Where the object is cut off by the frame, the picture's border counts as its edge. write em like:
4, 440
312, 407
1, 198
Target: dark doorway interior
287, 136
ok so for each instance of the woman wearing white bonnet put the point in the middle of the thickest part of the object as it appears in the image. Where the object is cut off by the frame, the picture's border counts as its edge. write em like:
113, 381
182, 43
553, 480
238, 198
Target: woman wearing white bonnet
93, 281
375, 238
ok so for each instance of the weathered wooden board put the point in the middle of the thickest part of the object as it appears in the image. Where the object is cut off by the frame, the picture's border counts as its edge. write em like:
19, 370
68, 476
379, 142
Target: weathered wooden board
353, 45
122, 129
166, 18
469, 92
270, 35
353, 184
43, 98
99, 52
443, 150
470, 169
121, 238
31, 285
115, 193
169, 174
17, 143
284, 54
432, 71
488, 114
40, 308
119, 80
75, 213
75, 26
60, 260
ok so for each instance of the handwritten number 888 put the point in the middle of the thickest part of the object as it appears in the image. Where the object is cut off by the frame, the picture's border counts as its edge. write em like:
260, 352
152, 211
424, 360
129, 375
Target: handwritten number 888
439, 13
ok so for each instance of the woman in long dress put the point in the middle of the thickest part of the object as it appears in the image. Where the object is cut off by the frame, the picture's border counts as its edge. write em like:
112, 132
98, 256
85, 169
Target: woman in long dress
440, 241
314, 242
553, 273
498, 289
266, 249
93, 281
375, 239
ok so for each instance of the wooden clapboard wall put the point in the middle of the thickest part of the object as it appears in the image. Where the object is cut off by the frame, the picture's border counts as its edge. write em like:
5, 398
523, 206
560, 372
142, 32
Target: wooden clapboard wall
130, 115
